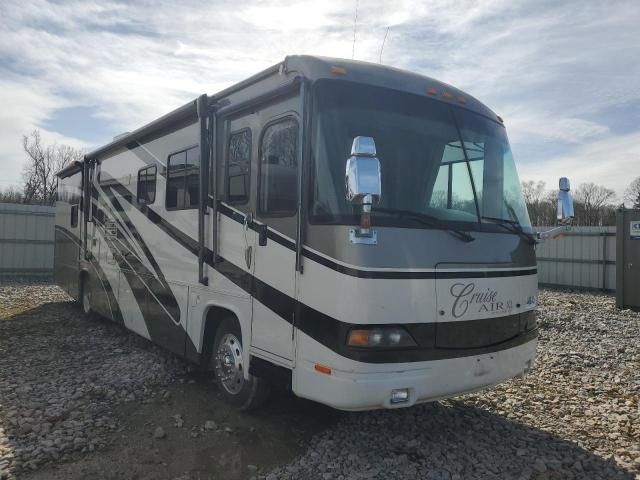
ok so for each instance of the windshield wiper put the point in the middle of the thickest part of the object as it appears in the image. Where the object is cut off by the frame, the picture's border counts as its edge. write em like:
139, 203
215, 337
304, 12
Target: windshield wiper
513, 226
428, 220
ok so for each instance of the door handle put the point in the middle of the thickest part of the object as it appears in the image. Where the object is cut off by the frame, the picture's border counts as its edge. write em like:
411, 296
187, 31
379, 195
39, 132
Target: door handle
262, 235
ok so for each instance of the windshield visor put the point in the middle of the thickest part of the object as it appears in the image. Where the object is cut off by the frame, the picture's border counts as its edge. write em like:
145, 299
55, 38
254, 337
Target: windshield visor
437, 159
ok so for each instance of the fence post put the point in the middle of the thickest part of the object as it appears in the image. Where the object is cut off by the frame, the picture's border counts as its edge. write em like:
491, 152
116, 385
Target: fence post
604, 261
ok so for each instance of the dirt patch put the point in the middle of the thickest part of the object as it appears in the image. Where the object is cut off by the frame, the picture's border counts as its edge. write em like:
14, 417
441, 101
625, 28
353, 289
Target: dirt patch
204, 438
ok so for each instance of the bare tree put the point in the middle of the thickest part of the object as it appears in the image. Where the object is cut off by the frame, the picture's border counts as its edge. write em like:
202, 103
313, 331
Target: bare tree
632, 193
11, 195
593, 204
44, 161
534, 197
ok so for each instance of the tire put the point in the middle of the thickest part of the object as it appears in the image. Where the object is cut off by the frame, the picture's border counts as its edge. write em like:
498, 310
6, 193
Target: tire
229, 368
85, 299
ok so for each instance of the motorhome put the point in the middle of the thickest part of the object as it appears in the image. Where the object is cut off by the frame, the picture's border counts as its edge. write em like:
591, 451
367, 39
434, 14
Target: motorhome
351, 231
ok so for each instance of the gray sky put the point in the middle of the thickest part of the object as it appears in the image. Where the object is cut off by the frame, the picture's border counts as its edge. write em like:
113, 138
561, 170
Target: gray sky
565, 75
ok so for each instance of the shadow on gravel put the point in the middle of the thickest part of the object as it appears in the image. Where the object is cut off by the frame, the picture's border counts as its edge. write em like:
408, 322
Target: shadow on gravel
445, 441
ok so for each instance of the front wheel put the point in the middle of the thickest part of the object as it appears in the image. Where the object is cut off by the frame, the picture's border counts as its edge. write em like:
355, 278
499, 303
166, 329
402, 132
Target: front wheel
229, 369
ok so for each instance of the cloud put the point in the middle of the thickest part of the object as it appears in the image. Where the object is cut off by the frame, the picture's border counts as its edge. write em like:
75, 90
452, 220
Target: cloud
560, 73
612, 161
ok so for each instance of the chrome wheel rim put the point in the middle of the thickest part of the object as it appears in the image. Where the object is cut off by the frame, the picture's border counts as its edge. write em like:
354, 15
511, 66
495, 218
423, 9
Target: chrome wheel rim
229, 365
86, 301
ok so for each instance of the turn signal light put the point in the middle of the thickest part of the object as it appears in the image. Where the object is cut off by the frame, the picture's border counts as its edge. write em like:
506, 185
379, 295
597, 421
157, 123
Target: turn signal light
358, 338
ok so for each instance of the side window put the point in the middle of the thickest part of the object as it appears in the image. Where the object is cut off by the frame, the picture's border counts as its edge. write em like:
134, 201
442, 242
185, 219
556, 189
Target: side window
277, 189
147, 185
74, 216
238, 166
183, 180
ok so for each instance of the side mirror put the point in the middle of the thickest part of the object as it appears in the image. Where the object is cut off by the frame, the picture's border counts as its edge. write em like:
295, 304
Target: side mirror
565, 201
363, 184
363, 177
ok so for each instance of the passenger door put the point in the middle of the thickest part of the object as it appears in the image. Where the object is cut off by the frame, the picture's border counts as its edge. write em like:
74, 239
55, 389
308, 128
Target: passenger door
275, 210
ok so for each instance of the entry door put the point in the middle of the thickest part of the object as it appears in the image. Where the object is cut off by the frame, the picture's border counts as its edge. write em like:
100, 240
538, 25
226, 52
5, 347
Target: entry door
274, 253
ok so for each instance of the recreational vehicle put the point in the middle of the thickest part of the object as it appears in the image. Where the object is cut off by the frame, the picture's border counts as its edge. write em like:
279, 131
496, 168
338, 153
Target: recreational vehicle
351, 231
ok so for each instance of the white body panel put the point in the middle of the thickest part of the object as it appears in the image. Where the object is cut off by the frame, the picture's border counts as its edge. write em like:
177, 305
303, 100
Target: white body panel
364, 386
366, 300
274, 265
131, 313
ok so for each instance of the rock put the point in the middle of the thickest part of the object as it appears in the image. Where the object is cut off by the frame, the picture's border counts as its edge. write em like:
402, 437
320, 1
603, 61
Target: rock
539, 466
25, 428
210, 425
159, 433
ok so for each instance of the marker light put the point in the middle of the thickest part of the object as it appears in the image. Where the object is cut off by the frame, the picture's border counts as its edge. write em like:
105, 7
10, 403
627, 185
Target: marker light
447, 94
380, 337
339, 70
431, 91
462, 100
322, 369
400, 395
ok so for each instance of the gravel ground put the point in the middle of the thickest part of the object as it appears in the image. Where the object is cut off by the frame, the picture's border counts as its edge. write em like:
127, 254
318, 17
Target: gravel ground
69, 388
60, 377
576, 415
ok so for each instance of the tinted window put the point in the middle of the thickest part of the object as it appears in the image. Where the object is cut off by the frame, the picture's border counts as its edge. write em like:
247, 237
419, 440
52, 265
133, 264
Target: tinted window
278, 191
432, 155
147, 185
238, 166
183, 180
74, 216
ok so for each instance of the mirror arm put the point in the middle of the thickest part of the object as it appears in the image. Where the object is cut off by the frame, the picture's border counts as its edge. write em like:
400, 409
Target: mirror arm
553, 232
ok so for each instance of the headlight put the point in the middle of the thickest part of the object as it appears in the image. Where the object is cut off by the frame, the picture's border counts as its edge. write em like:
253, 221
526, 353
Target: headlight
380, 337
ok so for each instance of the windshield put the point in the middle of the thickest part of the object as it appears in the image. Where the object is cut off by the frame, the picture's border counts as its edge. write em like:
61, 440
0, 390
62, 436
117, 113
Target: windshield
438, 160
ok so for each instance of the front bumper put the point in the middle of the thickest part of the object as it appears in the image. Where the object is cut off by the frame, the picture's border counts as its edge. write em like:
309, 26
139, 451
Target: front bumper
356, 385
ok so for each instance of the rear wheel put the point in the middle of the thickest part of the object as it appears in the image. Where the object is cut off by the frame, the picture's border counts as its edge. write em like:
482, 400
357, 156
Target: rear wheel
229, 369
85, 298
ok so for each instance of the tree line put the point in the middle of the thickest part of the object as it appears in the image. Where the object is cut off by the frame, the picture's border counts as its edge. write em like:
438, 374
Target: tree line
594, 205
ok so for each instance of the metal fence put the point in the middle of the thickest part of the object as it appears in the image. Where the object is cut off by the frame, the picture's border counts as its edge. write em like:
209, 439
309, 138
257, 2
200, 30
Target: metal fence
583, 258
26, 239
